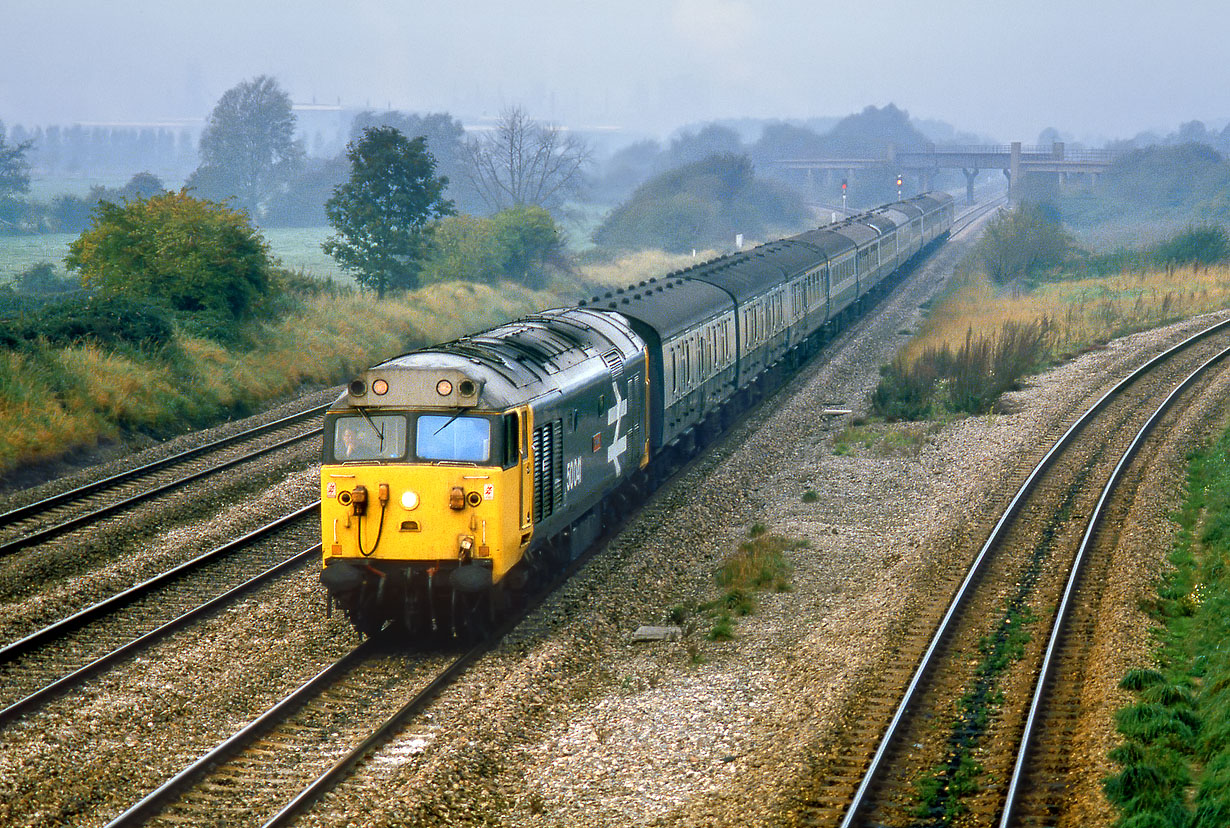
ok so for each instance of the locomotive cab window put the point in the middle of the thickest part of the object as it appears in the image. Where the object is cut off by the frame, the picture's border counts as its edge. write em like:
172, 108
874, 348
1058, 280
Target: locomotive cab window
512, 432
461, 439
381, 437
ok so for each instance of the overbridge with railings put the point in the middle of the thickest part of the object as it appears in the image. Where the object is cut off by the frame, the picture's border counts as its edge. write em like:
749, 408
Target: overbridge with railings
1015, 160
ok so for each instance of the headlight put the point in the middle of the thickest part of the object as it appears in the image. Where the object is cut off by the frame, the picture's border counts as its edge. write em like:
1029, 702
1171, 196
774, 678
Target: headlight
409, 501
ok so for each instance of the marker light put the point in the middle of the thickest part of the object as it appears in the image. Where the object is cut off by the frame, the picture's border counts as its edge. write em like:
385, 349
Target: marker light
380, 387
444, 388
409, 501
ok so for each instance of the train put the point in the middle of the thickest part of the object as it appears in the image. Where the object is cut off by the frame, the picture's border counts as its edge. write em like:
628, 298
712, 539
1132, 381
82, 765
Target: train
456, 477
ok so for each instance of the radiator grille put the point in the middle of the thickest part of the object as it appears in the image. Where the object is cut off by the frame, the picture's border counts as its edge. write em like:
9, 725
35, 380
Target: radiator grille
548, 469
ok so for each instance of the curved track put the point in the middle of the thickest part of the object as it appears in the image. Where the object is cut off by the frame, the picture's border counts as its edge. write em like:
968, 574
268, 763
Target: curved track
349, 692
949, 746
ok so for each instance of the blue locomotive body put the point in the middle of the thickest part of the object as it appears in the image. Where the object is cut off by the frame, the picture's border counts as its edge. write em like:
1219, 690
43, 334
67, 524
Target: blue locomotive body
501, 455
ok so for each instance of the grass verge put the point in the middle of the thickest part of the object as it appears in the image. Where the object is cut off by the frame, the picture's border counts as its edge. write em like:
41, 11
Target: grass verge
980, 339
1174, 759
54, 399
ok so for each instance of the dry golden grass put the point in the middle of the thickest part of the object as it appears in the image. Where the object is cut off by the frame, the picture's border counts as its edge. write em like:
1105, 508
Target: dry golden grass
54, 400
1083, 313
635, 267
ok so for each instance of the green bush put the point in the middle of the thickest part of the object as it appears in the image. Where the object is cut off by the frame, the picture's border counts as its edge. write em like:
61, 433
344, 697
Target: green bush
521, 243
1199, 245
43, 280
105, 320
111, 321
185, 253
699, 205
967, 381
1019, 243
904, 391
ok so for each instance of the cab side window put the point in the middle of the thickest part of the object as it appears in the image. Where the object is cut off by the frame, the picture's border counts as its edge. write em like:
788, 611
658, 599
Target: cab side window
512, 436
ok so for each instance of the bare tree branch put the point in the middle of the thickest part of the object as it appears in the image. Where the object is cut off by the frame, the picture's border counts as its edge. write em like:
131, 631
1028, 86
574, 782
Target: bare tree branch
522, 162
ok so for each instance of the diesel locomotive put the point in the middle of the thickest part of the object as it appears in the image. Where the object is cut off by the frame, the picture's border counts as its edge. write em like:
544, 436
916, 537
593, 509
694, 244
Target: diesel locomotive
455, 475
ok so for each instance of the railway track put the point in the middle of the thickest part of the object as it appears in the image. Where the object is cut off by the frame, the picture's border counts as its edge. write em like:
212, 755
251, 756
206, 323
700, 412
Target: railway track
36, 522
287, 758
977, 211
275, 758
305, 726
974, 736
63, 655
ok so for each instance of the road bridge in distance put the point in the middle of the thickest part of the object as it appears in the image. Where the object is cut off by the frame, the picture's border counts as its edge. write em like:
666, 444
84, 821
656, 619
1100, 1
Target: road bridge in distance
1015, 160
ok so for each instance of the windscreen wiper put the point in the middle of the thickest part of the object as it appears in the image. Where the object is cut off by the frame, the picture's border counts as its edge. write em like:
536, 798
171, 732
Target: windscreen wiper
460, 411
378, 431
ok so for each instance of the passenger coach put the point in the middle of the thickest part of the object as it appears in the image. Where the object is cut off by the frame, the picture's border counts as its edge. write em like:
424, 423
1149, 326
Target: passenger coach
454, 474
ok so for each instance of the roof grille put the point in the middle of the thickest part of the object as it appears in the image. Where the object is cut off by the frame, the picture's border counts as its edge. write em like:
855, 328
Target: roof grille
614, 361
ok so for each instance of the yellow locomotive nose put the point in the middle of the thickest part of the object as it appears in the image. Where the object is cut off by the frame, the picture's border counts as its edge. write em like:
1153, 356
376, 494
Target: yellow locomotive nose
407, 529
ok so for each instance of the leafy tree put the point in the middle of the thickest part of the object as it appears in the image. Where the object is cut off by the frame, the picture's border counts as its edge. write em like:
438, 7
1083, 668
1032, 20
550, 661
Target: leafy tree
1021, 242
465, 248
626, 169
446, 141
525, 163
782, 140
71, 213
302, 202
383, 213
248, 149
712, 139
701, 205
871, 131
529, 238
521, 243
14, 169
42, 280
1197, 245
189, 254
143, 185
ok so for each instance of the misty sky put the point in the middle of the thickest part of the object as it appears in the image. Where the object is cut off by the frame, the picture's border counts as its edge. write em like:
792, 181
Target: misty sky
1094, 70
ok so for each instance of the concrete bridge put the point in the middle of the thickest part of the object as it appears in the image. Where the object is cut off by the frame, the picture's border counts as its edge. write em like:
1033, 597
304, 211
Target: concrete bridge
1013, 159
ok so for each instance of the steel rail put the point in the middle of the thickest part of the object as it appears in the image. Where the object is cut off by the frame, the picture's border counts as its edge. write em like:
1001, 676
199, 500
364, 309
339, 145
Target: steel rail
1061, 614
8, 547
23, 512
954, 607
327, 780
144, 809
75, 678
122, 599
974, 213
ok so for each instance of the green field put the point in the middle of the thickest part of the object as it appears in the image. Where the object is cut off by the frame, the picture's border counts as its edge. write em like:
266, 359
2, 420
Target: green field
296, 247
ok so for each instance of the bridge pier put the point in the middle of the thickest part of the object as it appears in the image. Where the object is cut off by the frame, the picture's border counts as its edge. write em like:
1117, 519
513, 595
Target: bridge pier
1014, 173
970, 175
